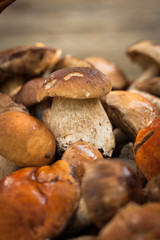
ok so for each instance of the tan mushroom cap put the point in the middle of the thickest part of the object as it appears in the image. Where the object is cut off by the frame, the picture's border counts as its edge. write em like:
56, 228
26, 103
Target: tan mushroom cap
145, 53
27, 60
25, 140
130, 111
79, 154
76, 83
27, 94
151, 86
118, 79
70, 61
37, 203
134, 222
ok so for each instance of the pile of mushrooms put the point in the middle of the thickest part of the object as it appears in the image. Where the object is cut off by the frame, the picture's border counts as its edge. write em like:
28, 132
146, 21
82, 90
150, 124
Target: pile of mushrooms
79, 146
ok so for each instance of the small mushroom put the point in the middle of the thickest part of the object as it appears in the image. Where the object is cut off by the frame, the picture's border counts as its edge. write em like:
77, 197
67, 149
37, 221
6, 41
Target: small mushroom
134, 222
147, 55
37, 203
29, 61
5, 3
127, 151
76, 112
146, 149
25, 140
118, 79
108, 185
130, 111
78, 155
70, 61
152, 189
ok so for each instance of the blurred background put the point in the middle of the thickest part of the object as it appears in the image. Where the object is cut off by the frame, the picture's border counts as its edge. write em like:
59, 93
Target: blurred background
83, 27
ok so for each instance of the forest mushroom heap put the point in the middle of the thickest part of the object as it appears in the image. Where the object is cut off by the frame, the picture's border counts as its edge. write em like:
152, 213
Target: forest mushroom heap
77, 160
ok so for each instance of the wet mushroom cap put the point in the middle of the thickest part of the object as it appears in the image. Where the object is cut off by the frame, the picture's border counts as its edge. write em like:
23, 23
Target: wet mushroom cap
146, 149
76, 83
37, 202
118, 79
145, 53
25, 140
130, 111
27, 60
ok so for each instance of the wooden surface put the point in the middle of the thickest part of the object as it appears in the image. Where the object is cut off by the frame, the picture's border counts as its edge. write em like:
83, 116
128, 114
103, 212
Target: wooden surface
83, 27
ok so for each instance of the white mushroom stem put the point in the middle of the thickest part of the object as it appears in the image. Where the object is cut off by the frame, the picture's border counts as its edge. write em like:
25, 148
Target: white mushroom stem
7, 167
151, 72
81, 119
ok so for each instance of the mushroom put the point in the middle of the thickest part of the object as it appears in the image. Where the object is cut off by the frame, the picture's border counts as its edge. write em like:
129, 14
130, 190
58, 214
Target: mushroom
12, 85
25, 140
146, 149
7, 167
130, 111
126, 151
70, 61
28, 61
152, 189
134, 222
118, 79
76, 112
108, 185
147, 55
5, 3
78, 155
37, 203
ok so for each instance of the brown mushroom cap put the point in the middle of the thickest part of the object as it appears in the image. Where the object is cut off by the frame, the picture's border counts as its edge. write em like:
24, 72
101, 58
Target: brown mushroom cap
27, 60
70, 61
150, 85
27, 94
5, 3
25, 140
134, 222
130, 111
145, 53
37, 203
79, 154
106, 186
118, 79
76, 83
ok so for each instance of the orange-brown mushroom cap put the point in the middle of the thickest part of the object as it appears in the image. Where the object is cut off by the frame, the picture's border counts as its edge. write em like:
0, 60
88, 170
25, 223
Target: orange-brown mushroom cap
37, 203
25, 140
76, 83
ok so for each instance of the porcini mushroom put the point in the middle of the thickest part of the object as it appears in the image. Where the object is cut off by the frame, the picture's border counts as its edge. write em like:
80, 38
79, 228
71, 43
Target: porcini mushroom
118, 79
25, 140
130, 111
37, 203
147, 55
76, 112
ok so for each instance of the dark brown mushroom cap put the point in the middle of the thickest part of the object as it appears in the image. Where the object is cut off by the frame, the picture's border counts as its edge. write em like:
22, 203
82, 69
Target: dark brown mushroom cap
70, 61
145, 53
107, 185
27, 94
134, 222
27, 60
76, 83
118, 79
5, 3
37, 203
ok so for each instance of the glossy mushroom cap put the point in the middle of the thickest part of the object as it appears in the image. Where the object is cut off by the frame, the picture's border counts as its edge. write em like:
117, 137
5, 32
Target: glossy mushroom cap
118, 79
27, 60
37, 203
134, 222
145, 53
146, 149
130, 111
79, 154
25, 140
76, 83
